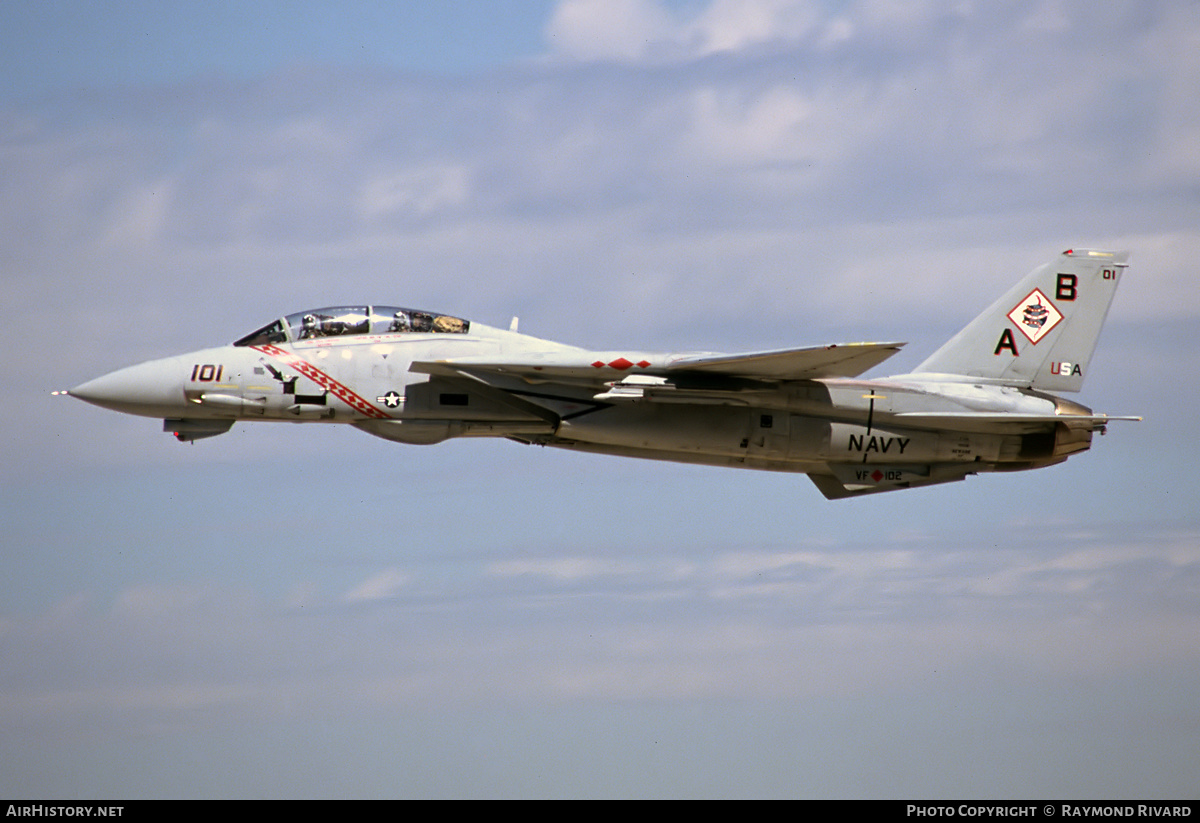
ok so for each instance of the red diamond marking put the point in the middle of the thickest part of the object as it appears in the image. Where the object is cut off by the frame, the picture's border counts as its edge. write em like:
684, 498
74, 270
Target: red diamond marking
599, 364
643, 364
877, 475
620, 363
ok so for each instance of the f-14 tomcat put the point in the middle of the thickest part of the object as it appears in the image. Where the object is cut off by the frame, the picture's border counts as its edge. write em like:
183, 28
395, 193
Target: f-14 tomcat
980, 403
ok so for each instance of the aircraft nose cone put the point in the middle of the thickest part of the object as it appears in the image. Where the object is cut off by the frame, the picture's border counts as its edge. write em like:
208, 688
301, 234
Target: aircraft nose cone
146, 389
108, 390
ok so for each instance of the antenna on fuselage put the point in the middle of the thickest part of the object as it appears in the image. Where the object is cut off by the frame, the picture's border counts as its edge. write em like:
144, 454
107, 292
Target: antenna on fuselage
513, 325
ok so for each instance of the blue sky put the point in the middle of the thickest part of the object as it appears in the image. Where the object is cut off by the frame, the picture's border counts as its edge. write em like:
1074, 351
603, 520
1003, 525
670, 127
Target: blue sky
61, 46
305, 611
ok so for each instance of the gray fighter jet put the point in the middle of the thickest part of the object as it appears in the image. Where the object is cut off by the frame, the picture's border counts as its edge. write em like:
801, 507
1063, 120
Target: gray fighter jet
980, 403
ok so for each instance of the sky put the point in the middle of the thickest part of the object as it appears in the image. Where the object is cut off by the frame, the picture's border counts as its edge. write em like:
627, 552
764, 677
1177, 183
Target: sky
305, 611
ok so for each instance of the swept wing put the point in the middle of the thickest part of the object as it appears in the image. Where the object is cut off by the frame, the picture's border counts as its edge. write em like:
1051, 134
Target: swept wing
809, 363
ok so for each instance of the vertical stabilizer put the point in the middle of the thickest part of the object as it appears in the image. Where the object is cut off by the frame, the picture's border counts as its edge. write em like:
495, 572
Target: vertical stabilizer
1042, 332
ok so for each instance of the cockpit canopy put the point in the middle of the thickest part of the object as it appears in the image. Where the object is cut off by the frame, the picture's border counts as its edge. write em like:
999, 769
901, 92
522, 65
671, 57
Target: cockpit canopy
344, 321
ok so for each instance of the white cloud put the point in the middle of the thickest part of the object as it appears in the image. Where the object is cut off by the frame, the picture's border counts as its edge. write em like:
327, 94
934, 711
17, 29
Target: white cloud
561, 568
773, 126
797, 620
609, 29
422, 191
651, 30
734, 25
382, 586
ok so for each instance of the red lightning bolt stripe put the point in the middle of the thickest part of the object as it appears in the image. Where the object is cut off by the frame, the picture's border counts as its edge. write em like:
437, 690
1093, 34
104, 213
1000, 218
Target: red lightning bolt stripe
339, 390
